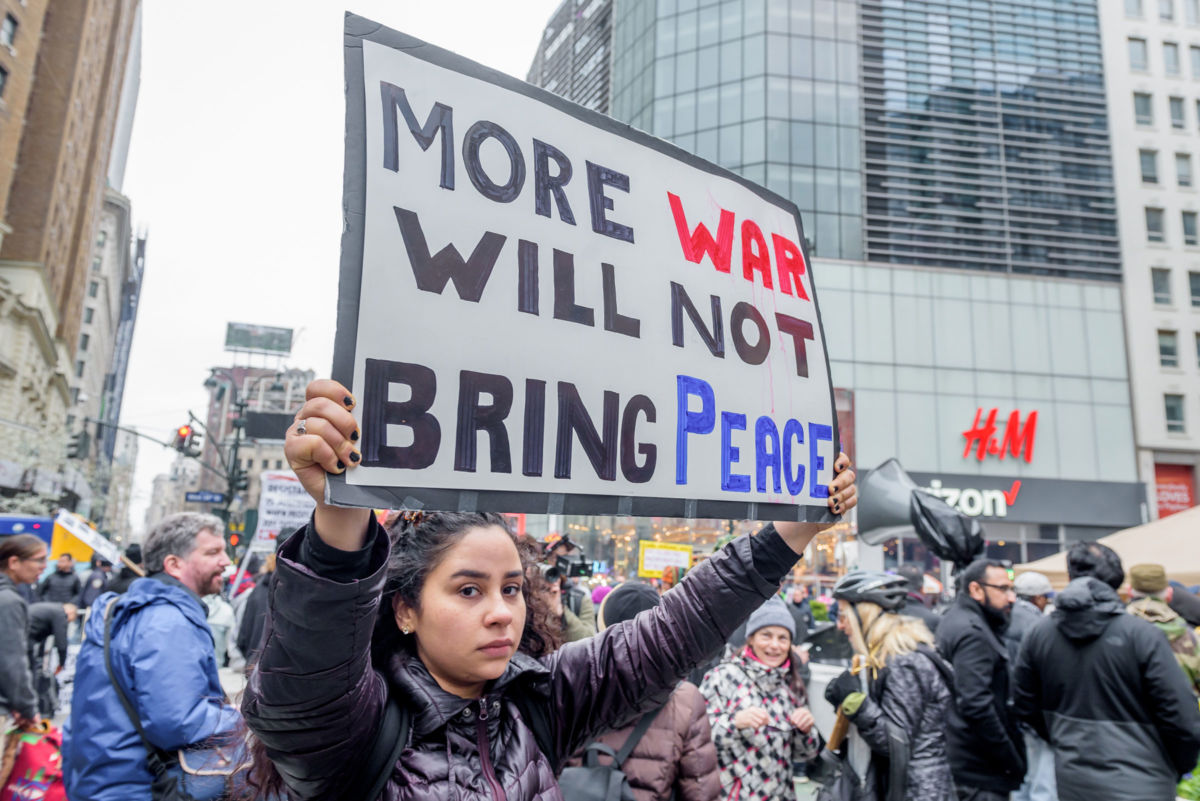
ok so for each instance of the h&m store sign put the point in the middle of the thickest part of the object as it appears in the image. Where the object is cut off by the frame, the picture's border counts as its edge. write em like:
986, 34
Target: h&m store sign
1039, 500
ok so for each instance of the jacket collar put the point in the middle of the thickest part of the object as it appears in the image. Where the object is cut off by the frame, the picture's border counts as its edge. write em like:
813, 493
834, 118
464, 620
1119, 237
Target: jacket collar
171, 581
433, 707
976, 614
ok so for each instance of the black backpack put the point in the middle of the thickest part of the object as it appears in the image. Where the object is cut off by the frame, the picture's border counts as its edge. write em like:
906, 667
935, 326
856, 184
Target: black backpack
593, 781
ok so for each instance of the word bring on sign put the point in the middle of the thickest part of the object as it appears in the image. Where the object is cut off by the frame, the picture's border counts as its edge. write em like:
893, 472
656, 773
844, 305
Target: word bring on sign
544, 310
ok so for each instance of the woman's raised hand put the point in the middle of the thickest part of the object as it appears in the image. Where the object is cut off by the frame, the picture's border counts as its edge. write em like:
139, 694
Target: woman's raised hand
751, 718
323, 439
802, 719
843, 496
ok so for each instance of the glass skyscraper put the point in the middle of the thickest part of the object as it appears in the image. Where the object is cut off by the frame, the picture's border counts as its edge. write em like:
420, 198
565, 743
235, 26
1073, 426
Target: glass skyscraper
767, 88
987, 137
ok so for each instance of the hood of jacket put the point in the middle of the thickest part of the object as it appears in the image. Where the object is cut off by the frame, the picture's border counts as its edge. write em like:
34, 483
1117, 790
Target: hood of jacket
1086, 608
156, 589
433, 707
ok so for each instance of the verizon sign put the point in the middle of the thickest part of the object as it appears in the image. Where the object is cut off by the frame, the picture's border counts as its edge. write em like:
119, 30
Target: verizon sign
976, 502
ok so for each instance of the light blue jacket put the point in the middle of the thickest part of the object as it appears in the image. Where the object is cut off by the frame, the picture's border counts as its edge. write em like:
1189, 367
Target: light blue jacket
162, 653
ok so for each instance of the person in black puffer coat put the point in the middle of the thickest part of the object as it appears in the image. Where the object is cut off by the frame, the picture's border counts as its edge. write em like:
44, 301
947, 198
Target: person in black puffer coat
1103, 688
899, 698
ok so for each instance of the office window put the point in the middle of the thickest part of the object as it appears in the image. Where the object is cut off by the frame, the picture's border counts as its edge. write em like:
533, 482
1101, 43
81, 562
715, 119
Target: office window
1168, 349
1194, 52
1166, 10
1155, 231
74, 400
1189, 228
1160, 280
278, 464
1194, 287
1133, 8
1171, 58
1137, 55
266, 463
1143, 111
1173, 406
3, 80
79, 368
1183, 169
1198, 350
93, 288
1149, 161
8, 30
84, 339
1191, 11
88, 314
1176, 104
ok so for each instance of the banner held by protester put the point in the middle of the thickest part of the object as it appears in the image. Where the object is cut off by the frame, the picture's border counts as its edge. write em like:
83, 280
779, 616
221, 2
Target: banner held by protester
283, 507
544, 310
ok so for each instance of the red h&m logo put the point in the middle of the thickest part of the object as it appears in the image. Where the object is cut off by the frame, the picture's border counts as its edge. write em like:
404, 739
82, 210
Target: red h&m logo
1017, 441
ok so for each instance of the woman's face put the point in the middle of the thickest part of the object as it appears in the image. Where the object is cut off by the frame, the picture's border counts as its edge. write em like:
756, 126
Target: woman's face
771, 644
26, 571
472, 612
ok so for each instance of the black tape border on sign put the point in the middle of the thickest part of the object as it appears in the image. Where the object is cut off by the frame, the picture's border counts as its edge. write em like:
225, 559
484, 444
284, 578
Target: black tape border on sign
359, 29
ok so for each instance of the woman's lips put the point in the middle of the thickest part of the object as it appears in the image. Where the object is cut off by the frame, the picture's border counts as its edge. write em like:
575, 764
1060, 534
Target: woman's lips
497, 647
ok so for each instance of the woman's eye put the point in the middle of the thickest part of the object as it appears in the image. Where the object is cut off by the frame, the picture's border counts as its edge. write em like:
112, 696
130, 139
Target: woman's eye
512, 589
469, 592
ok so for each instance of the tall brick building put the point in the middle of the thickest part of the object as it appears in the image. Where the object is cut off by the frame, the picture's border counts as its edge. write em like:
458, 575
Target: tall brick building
62, 68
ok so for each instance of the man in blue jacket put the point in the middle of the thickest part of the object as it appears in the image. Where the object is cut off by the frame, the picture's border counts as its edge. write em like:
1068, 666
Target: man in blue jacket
162, 655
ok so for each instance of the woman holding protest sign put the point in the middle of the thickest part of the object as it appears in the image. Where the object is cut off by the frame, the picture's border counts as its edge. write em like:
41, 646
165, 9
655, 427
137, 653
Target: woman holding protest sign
436, 616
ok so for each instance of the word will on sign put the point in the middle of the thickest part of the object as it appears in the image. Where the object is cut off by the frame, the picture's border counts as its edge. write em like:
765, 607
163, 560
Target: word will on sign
1017, 441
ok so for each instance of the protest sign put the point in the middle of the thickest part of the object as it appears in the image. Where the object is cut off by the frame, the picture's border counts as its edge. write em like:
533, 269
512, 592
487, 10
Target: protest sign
544, 310
73, 524
653, 557
283, 506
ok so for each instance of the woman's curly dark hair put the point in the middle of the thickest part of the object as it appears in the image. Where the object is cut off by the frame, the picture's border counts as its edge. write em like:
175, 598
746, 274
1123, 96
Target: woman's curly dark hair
419, 541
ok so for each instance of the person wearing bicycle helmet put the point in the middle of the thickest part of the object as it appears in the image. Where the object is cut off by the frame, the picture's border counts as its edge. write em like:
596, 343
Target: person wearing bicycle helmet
897, 695
758, 708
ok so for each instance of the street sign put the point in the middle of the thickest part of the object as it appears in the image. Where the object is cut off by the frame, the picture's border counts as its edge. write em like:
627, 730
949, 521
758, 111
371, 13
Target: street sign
542, 309
205, 496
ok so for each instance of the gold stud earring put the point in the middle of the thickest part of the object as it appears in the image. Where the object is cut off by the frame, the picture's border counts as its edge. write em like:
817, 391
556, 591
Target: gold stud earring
405, 630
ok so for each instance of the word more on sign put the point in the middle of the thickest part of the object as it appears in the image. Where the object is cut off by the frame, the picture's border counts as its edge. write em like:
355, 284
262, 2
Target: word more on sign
542, 309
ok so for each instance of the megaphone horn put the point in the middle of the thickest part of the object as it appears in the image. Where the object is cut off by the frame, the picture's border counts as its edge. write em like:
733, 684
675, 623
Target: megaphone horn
884, 497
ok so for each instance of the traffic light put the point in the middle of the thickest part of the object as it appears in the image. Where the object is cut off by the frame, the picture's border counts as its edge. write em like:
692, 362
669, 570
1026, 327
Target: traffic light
240, 480
78, 446
194, 444
182, 435
234, 539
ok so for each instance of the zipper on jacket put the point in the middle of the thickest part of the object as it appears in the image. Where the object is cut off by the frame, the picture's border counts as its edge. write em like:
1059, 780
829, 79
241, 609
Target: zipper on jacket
485, 754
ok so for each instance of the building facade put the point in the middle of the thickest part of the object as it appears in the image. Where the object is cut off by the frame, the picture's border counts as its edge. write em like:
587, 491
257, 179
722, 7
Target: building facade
952, 166
1152, 53
67, 64
573, 58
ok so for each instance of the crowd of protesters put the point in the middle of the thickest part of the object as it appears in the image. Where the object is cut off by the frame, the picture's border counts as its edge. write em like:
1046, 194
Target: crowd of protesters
516, 679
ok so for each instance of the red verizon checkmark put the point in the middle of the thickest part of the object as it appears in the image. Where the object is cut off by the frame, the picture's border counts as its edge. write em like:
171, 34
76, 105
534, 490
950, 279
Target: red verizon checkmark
1010, 497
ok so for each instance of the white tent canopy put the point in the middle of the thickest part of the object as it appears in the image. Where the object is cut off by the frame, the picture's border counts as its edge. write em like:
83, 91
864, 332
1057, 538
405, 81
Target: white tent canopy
1173, 542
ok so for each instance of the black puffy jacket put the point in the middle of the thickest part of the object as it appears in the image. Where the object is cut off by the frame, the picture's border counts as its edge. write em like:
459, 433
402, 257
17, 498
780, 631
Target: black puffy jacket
315, 700
986, 749
1103, 688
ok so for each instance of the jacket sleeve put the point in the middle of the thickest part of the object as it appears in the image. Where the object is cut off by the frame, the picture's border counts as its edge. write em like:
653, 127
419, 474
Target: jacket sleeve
16, 682
44, 587
170, 665
313, 699
587, 613
973, 660
698, 778
1027, 688
605, 681
902, 704
59, 624
1171, 704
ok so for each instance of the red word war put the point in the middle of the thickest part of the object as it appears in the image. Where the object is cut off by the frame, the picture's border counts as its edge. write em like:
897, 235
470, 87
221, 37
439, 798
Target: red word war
698, 242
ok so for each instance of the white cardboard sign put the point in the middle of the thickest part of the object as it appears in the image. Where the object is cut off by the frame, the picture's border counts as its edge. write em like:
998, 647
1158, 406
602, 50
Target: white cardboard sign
283, 506
542, 309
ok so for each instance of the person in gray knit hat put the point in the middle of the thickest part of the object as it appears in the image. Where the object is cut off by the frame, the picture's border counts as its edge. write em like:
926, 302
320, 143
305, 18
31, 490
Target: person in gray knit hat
758, 708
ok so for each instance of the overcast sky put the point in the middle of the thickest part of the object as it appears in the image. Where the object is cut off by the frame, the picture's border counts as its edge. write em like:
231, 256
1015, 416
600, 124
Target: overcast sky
235, 171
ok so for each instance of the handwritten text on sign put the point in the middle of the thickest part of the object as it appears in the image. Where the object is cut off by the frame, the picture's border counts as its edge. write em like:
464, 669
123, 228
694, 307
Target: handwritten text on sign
549, 306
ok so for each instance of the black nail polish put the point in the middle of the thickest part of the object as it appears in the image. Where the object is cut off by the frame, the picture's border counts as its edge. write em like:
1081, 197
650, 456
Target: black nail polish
354, 436
354, 457
341, 465
348, 401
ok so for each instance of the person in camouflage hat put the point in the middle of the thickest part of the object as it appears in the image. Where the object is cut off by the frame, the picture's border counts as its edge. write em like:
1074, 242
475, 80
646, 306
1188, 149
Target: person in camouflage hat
1152, 594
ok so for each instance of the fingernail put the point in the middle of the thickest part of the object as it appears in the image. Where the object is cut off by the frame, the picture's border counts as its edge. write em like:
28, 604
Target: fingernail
354, 457
349, 401
341, 465
354, 436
